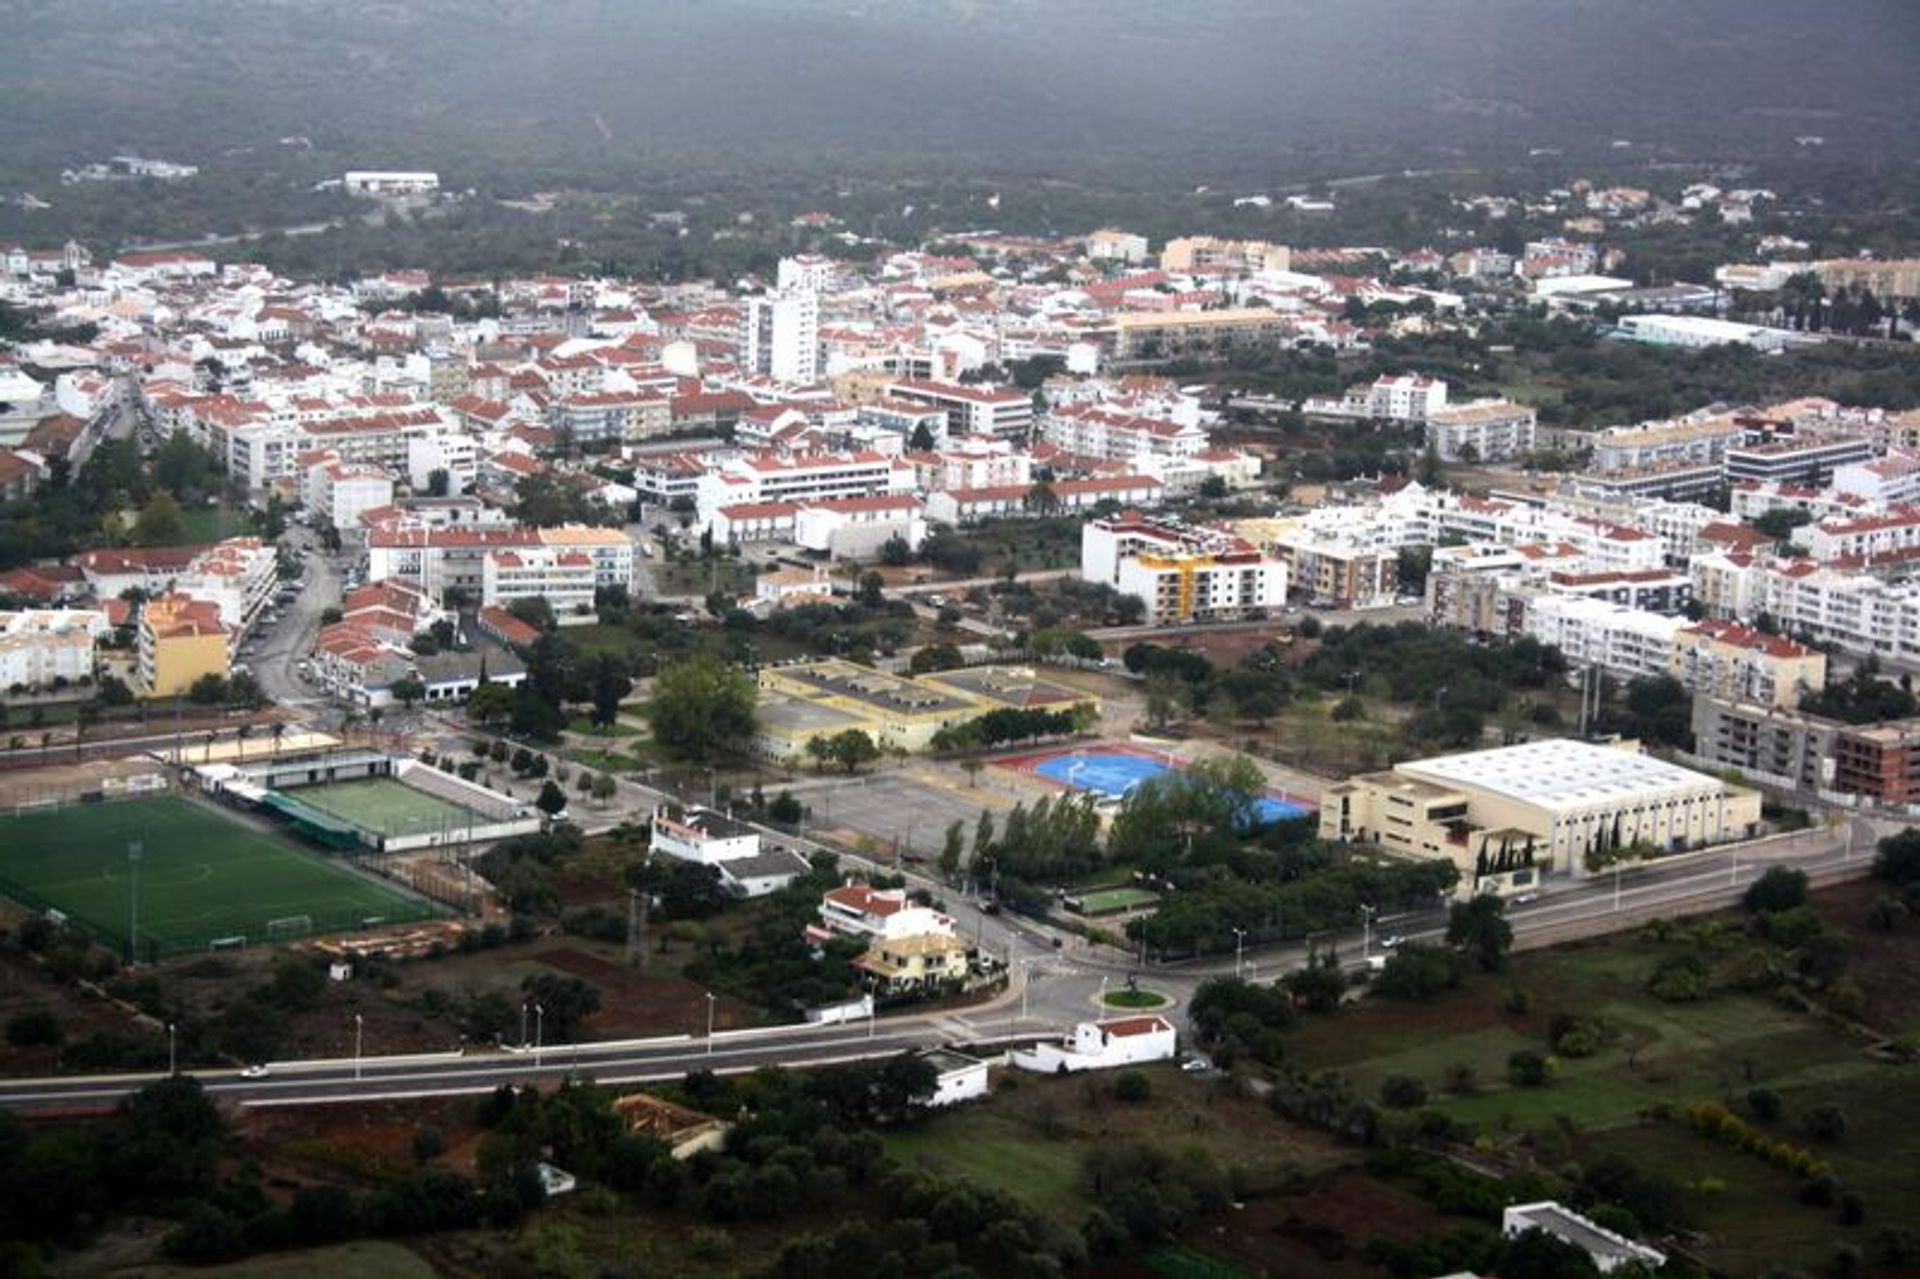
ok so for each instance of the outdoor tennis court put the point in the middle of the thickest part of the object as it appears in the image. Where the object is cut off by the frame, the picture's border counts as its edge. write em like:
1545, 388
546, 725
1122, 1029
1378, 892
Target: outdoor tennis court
1112, 774
203, 878
387, 807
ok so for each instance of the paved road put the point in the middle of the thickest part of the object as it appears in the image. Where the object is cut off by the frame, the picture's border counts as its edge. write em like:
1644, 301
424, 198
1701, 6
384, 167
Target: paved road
282, 646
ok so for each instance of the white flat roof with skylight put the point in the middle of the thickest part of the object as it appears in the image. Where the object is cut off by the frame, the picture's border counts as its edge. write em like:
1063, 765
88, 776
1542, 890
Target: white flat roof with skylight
1562, 774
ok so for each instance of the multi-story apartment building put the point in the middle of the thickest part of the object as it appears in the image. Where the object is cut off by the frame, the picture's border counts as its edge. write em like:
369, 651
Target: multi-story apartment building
1702, 442
563, 578
1892, 278
1197, 253
1183, 574
40, 648
779, 336
1795, 459
1631, 643
1864, 538
179, 641
1089, 431
1337, 572
1000, 412
1173, 334
1737, 663
801, 477
1481, 431
441, 559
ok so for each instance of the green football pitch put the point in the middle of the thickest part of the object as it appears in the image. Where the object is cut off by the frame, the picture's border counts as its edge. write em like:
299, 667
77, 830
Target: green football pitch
1111, 901
387, 806
203, 877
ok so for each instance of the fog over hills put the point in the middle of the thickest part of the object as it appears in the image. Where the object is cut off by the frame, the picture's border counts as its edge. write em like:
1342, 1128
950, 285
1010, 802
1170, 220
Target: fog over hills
1206, 88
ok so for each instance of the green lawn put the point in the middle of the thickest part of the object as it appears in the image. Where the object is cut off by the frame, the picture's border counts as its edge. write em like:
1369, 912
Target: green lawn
212, 523
596, 638
203, 876
1134, 999
996, 1150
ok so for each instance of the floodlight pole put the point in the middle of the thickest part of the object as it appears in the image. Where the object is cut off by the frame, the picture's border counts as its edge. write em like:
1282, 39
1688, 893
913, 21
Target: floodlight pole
358, 1027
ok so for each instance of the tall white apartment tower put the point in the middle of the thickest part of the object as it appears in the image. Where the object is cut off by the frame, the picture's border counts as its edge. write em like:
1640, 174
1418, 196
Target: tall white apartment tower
780, 335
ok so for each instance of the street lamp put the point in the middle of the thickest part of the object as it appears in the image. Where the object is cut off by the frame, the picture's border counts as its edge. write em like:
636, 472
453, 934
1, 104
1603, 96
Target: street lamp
710, 1002
539, 1031
523, 1025
1366, 931
359, 1025
1239, 949
173, 1059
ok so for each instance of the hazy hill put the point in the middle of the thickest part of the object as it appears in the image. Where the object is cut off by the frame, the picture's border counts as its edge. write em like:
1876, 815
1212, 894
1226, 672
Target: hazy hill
485, 89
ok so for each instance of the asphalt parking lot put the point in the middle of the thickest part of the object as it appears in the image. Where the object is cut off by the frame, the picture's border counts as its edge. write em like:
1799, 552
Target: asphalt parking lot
891, 805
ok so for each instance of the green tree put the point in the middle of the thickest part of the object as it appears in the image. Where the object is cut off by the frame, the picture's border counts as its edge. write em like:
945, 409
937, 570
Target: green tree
702, 709
1478, 929
160, 522
408, 689
552, 800
852, 748
1780, 888
608, 681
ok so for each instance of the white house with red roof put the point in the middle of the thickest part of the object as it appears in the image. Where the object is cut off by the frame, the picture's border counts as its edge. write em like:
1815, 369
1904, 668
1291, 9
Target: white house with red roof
884, 914
1103, 1045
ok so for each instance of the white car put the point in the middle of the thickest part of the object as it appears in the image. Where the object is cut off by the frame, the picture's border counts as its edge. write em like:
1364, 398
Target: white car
1526, 899
1196, 1065
1391, 940
256, 1071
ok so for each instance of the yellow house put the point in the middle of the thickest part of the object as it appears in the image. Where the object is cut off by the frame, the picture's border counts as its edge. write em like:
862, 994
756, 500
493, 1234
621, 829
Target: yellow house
915, 962
181, 639
820, 699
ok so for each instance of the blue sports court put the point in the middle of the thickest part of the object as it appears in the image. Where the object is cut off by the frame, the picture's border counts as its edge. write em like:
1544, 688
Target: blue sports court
1112, 775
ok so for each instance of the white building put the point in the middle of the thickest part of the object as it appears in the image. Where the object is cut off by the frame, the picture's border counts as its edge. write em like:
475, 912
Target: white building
957, 1077
563, 578
800, 478
1103, 1045
1481, 431
1698, 331
1610, 1251
340, 492
1004, 413
855, 910
733, 848
1182, 574
779, 336
1628, 642
375, 182
41, 646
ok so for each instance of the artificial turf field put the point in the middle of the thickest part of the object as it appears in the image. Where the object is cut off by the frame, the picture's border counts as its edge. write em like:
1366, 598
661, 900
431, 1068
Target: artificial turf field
203, 876
387, 806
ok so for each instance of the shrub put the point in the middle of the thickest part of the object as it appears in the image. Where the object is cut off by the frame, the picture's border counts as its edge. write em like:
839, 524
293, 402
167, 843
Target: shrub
1527, 1068
1402, 1092
1780, 888
1681, 979
34, 1027
1764, 1103
1132, 1086
1517, 1003
1825, 1122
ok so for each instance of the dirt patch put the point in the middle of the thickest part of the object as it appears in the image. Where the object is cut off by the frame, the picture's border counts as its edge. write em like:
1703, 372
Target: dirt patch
364, 1142
635, 1005
1882, 964
1324, 1231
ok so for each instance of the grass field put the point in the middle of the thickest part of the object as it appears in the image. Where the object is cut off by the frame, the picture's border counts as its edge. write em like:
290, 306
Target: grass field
385, 805
203, 876
1657, 1053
